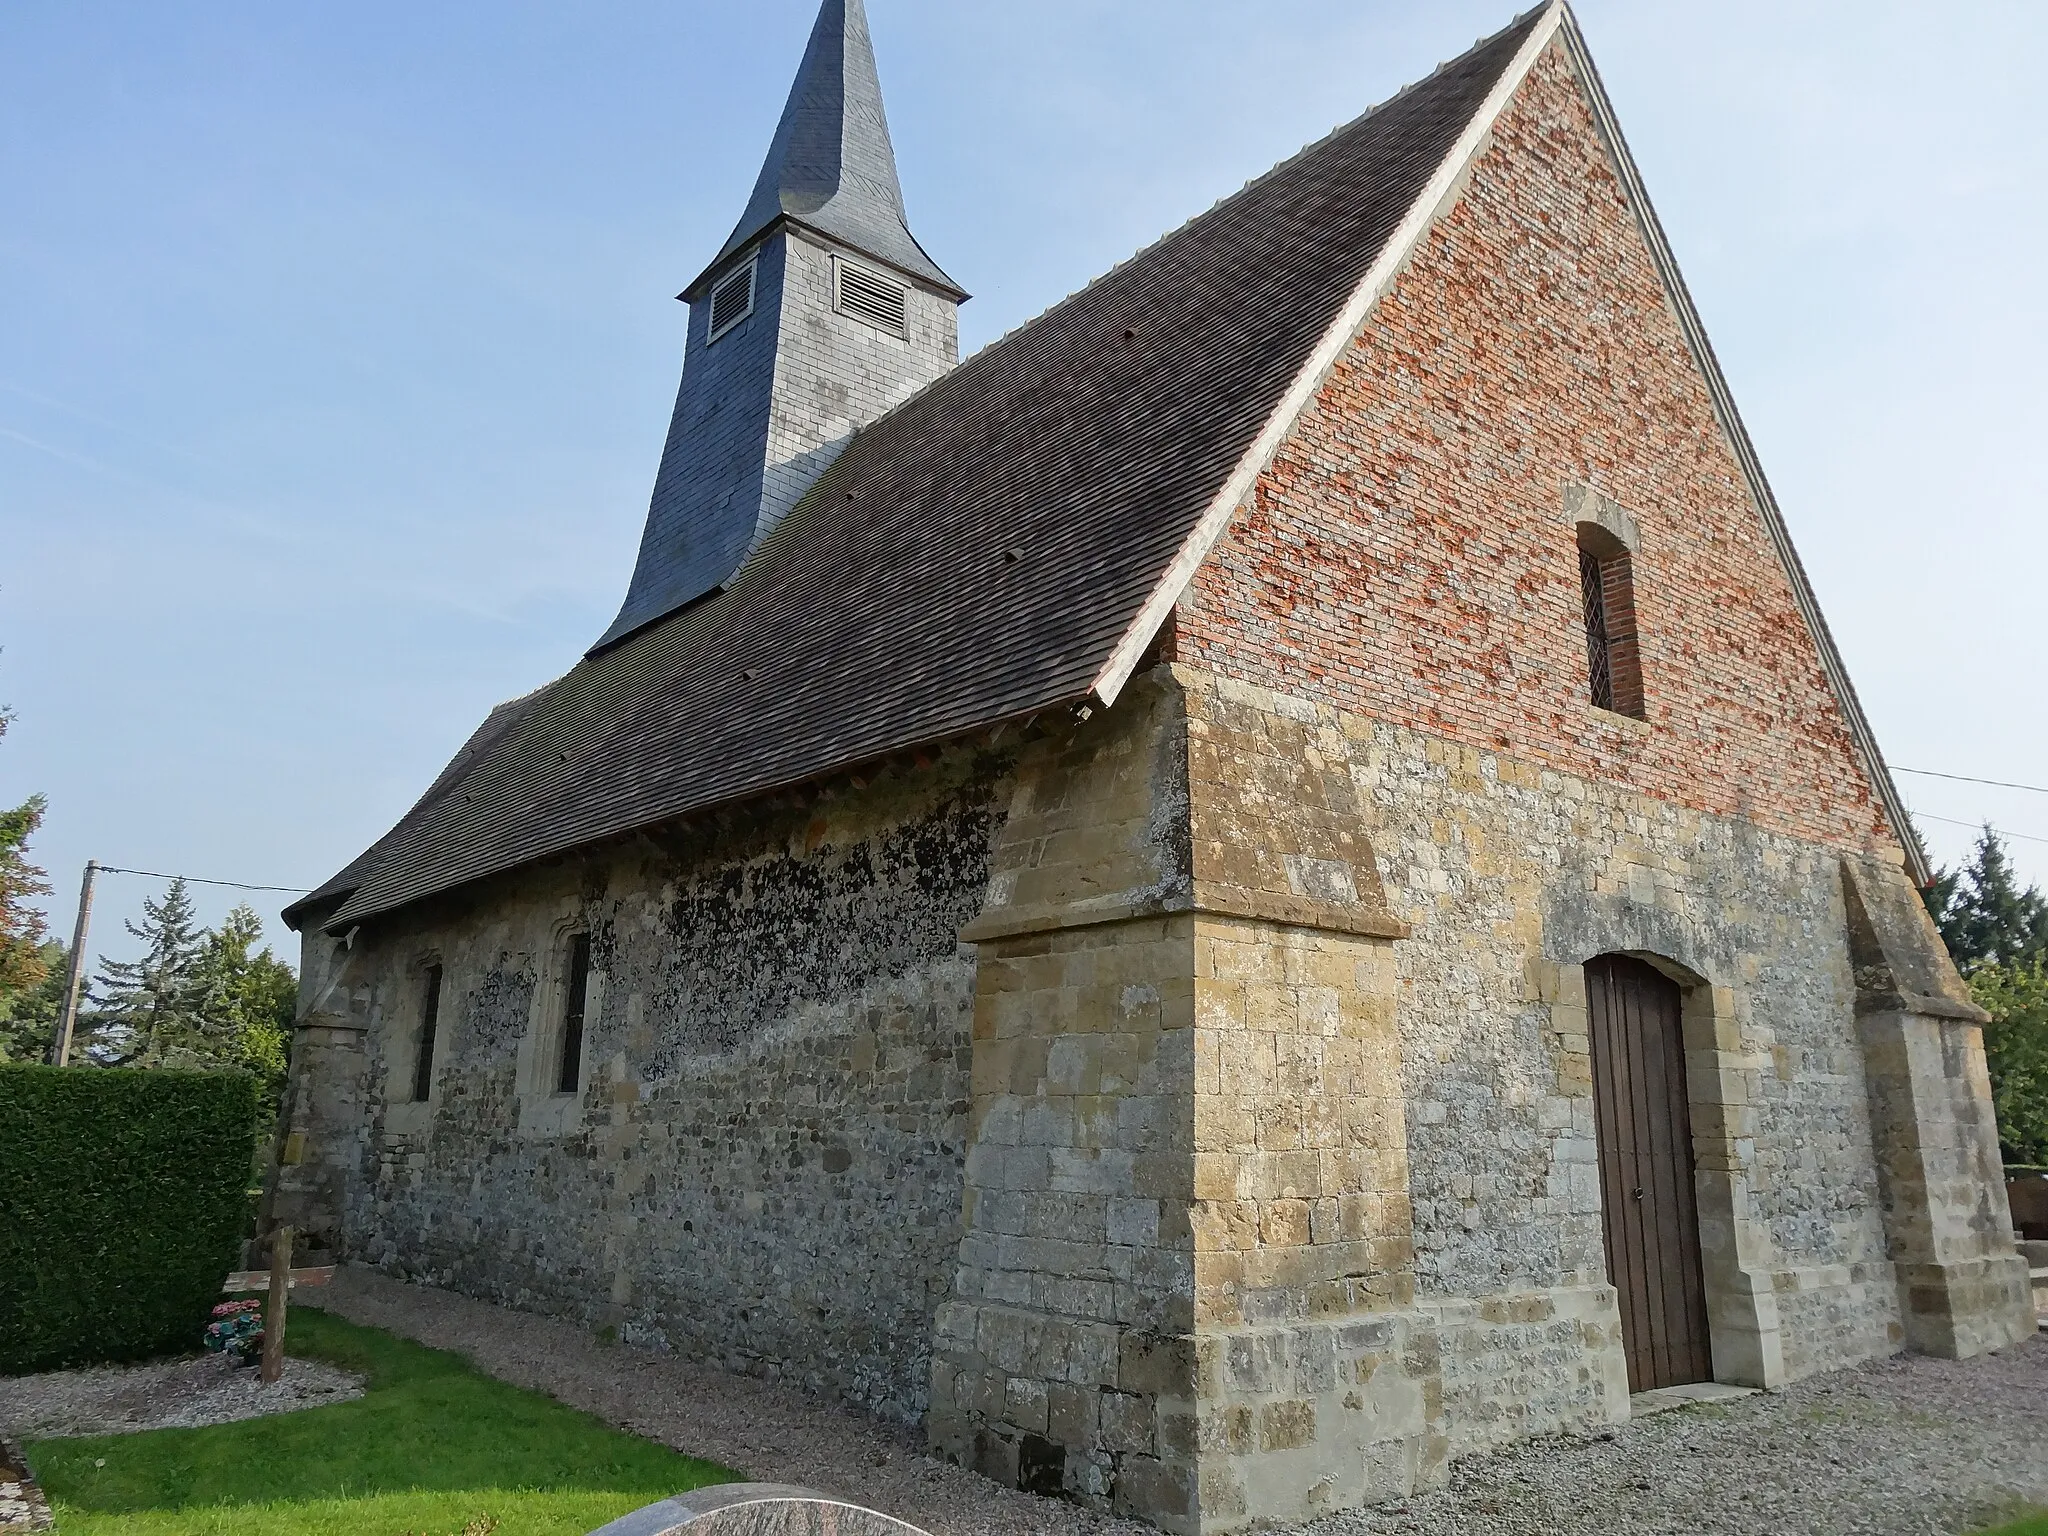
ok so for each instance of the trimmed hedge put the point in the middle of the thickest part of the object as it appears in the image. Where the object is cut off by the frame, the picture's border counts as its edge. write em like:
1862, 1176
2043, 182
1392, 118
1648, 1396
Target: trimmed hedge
124, 1197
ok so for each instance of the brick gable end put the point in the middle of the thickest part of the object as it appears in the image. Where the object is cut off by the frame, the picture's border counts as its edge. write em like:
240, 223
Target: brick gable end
1407, 554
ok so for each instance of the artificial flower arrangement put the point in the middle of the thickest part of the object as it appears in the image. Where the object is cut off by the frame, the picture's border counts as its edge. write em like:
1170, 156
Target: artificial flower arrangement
237, 1329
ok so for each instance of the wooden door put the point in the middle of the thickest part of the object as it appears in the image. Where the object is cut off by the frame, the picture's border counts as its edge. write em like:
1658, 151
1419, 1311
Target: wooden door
1646, 1172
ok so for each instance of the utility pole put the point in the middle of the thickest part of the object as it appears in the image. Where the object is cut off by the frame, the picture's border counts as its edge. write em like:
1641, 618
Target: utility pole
60, 1056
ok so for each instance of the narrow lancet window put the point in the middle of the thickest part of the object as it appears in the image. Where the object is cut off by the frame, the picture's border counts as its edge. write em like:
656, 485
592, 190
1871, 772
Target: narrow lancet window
430, 1019
575, 999
1607, 585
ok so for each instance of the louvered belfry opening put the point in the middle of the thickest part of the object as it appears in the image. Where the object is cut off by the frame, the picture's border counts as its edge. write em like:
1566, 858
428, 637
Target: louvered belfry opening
1614, 669
871, 297
732, 300
1643, 1126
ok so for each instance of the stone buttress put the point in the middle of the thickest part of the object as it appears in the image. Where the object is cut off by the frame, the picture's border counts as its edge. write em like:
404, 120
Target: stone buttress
1187, 1283
1963, 1286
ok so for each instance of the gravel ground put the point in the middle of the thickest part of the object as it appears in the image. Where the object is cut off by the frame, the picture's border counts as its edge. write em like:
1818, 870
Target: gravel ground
1902, 1447
170, 1394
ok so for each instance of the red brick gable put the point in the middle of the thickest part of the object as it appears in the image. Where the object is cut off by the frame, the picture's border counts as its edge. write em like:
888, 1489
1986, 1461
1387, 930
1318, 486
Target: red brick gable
1407, 555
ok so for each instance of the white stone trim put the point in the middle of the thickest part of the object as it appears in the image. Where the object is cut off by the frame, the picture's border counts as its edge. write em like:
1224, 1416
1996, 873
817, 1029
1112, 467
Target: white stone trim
1442, 189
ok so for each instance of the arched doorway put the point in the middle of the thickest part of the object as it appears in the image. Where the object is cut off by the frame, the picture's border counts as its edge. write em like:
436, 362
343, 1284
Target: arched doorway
1644, 1127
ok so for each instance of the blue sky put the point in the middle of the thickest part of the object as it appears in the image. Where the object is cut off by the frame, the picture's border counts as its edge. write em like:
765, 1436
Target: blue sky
337, 342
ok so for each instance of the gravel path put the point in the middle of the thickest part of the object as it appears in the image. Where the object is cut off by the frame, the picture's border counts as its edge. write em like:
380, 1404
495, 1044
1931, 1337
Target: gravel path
1902, 1447
170, 1394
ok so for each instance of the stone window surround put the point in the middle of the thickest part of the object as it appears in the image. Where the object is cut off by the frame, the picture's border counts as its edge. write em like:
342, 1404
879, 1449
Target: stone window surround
408, 1116
545, 1111
1735, 1254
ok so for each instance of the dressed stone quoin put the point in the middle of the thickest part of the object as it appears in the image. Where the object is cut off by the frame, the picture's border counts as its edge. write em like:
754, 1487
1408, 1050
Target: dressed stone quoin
1271, 881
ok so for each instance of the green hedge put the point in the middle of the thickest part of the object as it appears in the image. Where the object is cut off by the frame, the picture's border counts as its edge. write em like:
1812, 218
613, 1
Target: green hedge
123, 1202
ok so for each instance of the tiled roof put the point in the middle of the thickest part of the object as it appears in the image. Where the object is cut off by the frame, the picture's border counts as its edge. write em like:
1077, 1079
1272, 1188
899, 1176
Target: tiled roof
974, 556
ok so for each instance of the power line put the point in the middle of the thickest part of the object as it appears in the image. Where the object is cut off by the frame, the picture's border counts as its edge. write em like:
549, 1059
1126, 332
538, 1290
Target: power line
2023, 837
1964, 778
240, 885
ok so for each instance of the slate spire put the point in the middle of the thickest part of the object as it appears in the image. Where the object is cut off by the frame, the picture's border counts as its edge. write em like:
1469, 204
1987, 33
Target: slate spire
819, 315
830, 165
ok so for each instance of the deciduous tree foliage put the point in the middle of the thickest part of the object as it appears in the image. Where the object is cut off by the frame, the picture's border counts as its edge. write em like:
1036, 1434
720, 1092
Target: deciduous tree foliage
2016, 1047
1998, 935
22, 936
28, 1015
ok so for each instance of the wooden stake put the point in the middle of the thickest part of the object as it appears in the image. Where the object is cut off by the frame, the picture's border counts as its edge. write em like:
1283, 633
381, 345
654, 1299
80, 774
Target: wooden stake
60, 1051
273, 1316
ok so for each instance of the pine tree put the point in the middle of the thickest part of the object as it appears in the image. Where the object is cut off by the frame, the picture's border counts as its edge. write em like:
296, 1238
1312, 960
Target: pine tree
148, 1012
1984, 917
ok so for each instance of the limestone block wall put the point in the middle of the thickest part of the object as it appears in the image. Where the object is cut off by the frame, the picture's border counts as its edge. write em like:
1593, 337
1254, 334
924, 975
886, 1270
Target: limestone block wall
1510, 875
763, 1166
1963, 1286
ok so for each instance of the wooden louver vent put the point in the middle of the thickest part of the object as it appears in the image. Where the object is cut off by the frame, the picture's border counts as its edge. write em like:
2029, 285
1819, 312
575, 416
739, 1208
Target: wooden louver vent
873, 299
732, 300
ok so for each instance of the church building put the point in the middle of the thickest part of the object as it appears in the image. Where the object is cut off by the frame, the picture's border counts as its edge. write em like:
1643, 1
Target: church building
1273, 880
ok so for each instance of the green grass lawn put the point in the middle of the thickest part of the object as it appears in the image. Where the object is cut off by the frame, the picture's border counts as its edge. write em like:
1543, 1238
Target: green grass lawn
433, 1448
2033, 1525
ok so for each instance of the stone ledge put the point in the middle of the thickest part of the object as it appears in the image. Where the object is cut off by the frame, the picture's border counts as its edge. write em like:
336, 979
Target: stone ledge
1207, 900
1925, 1004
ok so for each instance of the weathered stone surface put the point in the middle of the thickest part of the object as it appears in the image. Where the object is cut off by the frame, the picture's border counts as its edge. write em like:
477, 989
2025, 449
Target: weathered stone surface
774, 1092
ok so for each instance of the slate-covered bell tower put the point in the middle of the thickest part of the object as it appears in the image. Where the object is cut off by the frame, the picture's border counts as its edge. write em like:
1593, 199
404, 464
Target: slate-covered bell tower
821, 313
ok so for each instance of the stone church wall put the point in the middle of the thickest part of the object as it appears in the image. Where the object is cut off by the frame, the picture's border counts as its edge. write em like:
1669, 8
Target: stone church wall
1530, 351
764, 1164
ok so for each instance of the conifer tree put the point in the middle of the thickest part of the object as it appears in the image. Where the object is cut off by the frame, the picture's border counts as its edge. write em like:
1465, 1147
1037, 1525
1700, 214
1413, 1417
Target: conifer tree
1984, 916
147, 1012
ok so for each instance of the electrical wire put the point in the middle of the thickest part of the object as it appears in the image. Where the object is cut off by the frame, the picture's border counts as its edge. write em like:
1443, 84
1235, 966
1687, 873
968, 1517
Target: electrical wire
1964, 778
1977, 825
157, 874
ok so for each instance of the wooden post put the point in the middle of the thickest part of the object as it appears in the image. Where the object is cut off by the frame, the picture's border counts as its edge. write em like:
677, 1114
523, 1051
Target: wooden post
60, 1051
273, 1316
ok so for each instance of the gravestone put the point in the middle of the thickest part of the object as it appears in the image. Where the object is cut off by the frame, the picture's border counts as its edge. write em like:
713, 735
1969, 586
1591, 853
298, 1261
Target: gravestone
755, 1509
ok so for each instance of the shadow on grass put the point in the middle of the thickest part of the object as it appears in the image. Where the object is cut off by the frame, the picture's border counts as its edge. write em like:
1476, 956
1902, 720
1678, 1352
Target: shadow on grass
433, 1446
